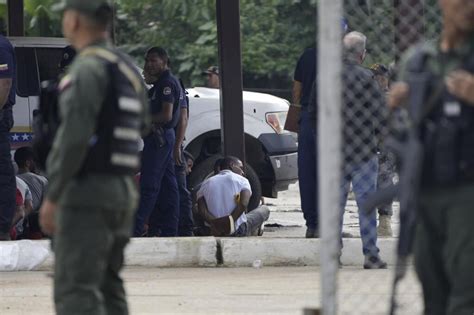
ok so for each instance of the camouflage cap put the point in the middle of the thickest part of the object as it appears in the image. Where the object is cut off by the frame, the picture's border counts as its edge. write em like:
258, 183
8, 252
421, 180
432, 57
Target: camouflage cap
84, 6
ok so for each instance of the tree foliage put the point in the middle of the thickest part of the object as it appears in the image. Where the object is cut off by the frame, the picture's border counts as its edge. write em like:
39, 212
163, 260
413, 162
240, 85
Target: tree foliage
274, 33
40, 20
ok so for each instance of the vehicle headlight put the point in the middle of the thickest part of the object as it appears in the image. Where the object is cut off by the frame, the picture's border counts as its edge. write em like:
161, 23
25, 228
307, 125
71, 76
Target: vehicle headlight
277, 121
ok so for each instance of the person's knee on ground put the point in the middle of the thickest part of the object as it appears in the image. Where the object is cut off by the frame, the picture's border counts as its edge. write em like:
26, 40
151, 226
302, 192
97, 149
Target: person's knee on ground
263, 213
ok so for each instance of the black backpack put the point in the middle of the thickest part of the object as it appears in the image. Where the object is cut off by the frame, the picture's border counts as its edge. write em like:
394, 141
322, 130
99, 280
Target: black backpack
46, 122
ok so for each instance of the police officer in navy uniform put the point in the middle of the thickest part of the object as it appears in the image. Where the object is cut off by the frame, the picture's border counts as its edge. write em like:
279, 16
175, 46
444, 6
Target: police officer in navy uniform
7, 100
304, 78
159, 189
305, 75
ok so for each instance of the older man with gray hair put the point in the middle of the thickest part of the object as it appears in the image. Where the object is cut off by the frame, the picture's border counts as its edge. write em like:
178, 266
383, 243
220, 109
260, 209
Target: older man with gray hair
363, 118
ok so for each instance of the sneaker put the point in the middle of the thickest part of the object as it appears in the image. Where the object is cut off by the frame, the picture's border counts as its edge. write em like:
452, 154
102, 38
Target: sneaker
385, 228
259, 231
374, 262
312, 233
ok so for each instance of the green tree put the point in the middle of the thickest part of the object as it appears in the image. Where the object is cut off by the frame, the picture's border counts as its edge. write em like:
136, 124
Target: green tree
40, 20
274, 34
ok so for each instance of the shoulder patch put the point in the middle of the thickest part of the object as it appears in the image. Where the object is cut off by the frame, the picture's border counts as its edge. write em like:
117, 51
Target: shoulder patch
4, 67
65, 82
167, 91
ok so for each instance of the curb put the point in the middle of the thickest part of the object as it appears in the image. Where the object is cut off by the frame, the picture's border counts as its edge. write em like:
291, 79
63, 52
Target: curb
162, 252
236, 252
172, 252
244, 252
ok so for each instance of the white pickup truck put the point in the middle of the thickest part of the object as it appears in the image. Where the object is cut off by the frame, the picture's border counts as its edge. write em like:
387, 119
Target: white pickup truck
271, 152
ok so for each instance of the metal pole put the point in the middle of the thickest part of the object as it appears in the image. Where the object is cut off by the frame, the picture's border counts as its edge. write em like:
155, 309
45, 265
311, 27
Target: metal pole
15, 18
329, 146
230, 63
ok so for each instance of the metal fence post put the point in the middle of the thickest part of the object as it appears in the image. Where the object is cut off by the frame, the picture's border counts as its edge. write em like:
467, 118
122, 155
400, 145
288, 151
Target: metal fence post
230, 62
15, 18
329, 146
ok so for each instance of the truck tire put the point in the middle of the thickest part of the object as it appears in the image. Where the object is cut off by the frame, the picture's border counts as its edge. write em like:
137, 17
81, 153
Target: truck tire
206, 169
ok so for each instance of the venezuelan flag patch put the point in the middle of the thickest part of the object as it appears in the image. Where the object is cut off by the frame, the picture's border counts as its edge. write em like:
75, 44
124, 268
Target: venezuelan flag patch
65, 83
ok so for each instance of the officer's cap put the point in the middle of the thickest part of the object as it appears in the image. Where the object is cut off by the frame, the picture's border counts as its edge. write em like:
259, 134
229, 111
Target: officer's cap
89, 7
211, 70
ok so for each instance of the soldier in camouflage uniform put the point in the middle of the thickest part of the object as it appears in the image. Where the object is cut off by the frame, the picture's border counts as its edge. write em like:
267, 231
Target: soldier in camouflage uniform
89, 208
444, 240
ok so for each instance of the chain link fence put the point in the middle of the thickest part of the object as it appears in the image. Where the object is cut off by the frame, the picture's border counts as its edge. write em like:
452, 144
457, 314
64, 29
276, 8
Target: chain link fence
354, 77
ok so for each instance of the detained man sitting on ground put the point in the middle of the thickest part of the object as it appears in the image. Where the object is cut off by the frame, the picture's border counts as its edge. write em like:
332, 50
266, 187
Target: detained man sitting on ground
25, 158
223, 200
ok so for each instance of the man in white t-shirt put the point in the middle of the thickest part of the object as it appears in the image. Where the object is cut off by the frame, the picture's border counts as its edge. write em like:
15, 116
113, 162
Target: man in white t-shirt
223, 200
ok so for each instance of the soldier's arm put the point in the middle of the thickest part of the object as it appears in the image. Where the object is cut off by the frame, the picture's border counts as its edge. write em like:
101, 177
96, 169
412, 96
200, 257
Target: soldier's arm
80, 103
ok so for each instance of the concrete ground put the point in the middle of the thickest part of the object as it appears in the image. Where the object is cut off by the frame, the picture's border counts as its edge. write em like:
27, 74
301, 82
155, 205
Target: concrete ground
265, 290
286, 290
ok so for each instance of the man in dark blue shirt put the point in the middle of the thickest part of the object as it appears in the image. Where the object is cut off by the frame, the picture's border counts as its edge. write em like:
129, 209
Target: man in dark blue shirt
159, 189
305, 75
186, 222
7, 100
304, 78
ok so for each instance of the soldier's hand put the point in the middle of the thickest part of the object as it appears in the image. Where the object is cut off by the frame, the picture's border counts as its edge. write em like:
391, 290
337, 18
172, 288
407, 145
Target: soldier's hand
177, 156
460, 83
46, 217
397, 95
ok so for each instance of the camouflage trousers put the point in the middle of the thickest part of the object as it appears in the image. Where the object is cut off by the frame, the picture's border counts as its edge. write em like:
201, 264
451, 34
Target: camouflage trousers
89, 249
386, 175
443, 249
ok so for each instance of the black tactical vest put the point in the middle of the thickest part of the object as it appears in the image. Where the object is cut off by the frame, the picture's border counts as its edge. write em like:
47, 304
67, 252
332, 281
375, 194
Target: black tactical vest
448, 137
114, 148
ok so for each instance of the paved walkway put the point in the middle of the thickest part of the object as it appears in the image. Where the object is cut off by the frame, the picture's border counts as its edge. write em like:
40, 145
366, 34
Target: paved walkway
286, 290
286, 217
